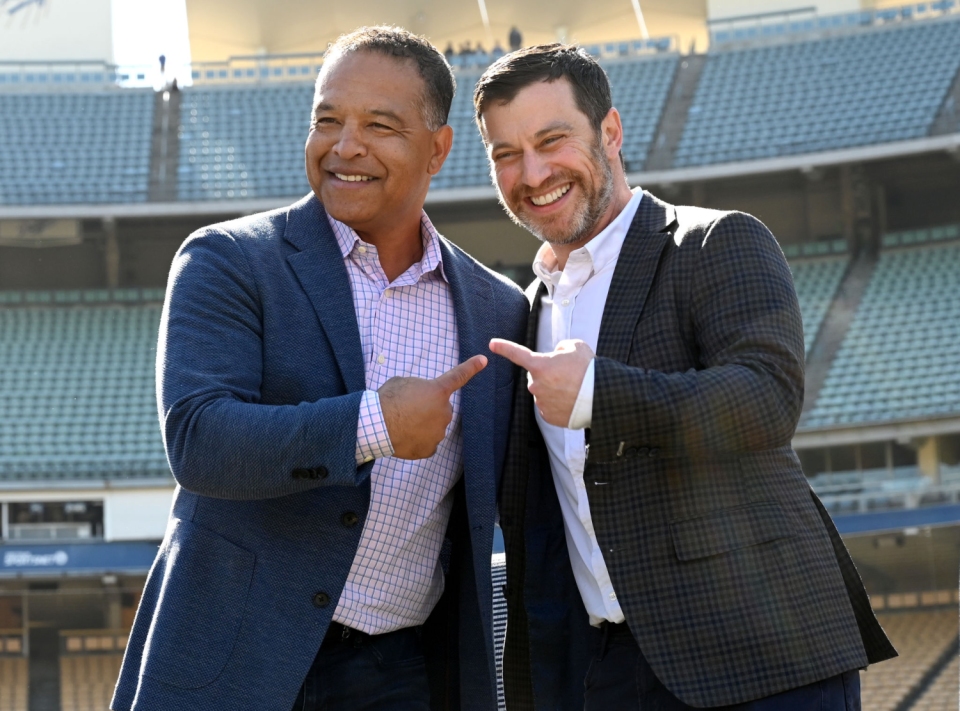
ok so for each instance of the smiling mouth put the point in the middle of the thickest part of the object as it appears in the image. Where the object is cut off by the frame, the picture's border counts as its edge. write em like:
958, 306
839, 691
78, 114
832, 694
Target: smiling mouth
551, 197
353, 178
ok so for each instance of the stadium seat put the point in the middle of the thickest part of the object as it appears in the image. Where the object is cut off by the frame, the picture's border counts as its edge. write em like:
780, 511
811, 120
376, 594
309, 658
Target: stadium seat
869, 85
77, 385
921, 638
98, 150
816, 281
898, 358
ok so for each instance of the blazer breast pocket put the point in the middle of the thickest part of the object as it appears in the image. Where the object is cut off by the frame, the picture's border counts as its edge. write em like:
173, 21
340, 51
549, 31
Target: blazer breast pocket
726, 530
203, 597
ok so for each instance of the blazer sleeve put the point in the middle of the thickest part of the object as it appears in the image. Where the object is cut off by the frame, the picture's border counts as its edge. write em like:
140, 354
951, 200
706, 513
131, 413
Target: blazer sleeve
220, 440
747, 393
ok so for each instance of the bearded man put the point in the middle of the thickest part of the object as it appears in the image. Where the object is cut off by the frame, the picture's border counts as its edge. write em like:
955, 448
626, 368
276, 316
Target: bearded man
664, 549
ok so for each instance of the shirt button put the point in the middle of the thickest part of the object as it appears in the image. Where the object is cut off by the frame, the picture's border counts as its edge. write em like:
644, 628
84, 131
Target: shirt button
368, 459
362, 249
565, 302
388, 293
613, 596
381, 359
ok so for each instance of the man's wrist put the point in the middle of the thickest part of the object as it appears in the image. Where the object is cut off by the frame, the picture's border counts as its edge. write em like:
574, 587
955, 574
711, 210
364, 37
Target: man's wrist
373, 439
582, 414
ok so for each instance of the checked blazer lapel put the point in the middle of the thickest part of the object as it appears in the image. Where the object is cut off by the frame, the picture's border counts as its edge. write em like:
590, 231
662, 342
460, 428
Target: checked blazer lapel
633, 276
322, 274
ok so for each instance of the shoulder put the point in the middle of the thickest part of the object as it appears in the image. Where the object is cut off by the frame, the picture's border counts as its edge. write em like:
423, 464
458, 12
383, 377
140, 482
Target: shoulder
245, 231
700, 228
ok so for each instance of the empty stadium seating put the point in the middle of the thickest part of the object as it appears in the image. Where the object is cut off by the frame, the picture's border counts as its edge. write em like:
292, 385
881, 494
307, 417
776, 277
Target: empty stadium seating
943, 692
921, 638
87, 681
804, 96
898, 359
243, 142
499, 576
75, 147
13, 683
77, 385
816, 281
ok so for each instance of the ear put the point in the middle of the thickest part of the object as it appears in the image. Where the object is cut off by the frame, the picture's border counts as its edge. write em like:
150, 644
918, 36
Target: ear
612, 132
442, 143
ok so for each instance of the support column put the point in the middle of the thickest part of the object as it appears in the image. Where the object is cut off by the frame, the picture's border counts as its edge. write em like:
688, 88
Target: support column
928, 458
111, 252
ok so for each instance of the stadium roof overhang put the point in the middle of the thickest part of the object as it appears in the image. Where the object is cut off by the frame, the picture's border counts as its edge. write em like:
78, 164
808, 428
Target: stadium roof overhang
903, 430
222, 28
806, 162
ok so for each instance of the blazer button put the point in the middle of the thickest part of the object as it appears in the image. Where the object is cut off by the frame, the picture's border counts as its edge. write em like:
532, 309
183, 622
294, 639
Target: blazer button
653, 452
321, 599
349, 519
300, 473
643, 452
320, 473
630, 452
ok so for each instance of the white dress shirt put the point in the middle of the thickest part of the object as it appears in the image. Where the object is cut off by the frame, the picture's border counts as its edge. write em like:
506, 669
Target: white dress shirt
572, 308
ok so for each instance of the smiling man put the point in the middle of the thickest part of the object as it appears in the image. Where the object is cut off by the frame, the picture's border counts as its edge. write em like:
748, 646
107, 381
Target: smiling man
664, 550
334, 427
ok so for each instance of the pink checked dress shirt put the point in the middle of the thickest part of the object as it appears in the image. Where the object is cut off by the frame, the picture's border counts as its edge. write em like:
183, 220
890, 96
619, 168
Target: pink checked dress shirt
407, 328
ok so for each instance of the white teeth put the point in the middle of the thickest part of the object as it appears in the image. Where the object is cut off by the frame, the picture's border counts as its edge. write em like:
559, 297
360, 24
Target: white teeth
550, 197
353, 178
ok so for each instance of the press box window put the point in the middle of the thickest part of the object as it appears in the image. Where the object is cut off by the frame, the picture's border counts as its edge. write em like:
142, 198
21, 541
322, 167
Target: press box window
53, 520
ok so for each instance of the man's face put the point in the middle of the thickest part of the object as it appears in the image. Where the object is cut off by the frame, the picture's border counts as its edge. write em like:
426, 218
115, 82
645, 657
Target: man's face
550, 166
370, 154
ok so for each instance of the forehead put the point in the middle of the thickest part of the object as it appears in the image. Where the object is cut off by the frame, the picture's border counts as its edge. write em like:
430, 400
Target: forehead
369, 80
535, 106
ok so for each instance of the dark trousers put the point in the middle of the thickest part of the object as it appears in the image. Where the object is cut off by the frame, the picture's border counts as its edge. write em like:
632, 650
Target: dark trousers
354, 671
619, 677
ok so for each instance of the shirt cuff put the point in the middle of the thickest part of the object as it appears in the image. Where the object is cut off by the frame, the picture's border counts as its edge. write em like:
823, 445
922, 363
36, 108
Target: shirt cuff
583, 408
373, 440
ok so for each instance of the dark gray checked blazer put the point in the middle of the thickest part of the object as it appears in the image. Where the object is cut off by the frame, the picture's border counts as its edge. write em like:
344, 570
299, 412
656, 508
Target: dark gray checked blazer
730, 573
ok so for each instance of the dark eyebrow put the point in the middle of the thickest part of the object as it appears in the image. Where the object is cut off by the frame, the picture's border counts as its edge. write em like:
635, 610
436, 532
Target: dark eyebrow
555, 126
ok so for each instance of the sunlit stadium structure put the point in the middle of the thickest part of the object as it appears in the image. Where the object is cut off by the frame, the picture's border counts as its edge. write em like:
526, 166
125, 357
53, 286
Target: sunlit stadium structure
841, 132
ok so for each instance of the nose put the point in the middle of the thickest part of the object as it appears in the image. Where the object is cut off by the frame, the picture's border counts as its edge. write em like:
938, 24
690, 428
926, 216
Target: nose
535, 169
350, 142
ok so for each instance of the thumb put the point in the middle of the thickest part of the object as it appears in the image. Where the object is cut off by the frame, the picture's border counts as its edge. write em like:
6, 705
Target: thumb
460, 375
514, 352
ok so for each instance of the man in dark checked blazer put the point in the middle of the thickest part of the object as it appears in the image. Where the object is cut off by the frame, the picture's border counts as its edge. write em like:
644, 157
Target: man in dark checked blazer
664, 550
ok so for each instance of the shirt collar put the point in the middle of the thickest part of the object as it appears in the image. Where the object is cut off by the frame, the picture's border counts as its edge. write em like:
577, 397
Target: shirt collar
348, 240
601, 251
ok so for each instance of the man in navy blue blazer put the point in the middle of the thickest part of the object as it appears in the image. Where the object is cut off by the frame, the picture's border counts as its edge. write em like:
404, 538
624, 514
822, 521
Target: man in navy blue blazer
336, 425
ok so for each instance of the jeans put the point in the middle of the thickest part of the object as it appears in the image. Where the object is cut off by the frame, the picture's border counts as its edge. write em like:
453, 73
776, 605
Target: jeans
620, 678
367, 673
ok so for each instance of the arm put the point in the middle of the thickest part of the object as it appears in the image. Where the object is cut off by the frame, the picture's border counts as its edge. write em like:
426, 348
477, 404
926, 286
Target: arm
220, 440
749, 394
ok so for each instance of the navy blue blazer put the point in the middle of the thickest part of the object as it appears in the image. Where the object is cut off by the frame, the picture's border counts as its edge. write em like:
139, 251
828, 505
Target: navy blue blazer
259, 380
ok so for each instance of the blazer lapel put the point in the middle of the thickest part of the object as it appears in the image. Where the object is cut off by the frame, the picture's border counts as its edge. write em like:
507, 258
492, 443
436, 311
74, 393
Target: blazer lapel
323, 276
633, 276
475, 310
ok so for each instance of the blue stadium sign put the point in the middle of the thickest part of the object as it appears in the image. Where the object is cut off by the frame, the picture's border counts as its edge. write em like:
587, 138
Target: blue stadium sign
130, 558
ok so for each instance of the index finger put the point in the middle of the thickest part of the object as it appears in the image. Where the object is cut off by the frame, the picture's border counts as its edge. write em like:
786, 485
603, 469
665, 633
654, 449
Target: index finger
460, 375
514, 352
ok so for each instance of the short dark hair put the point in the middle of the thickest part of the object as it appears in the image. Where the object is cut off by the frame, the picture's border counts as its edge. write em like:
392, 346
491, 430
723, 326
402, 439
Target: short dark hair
440, 84
504, 79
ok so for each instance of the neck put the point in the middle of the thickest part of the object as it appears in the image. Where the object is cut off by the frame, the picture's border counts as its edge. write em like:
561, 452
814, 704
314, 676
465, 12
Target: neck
621, 196
399, 246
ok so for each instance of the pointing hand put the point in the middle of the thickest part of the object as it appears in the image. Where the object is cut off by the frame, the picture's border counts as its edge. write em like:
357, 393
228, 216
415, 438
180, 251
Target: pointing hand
417, 410
554, 379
